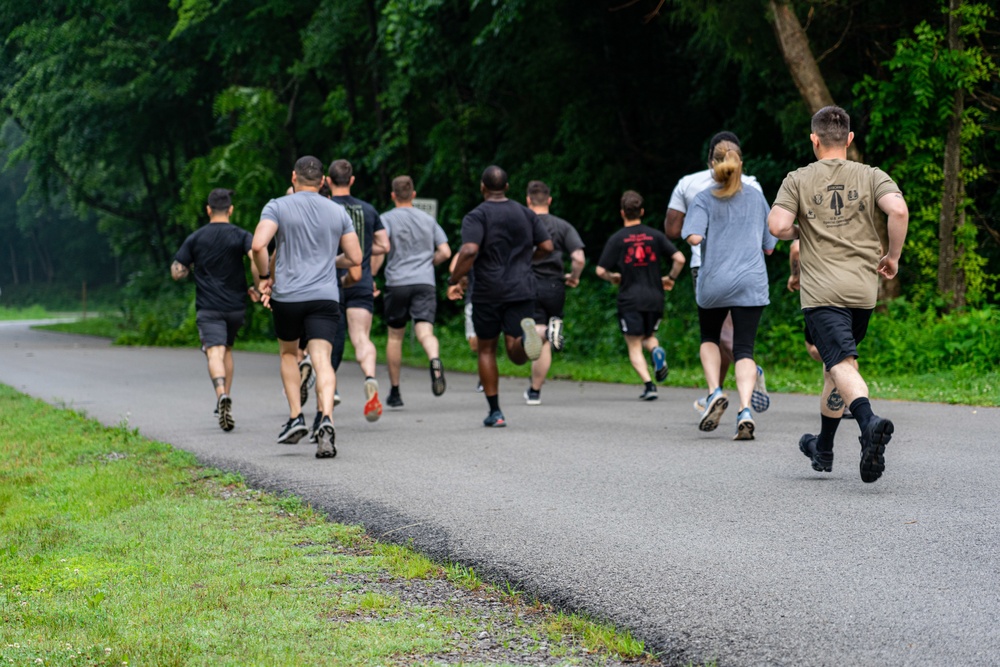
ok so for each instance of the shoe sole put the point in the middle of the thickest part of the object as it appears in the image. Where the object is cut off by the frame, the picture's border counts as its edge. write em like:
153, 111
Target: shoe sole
760, 401
373, 406
305, 372
438, 384
226, 422
713, 413
648, 397
293, 437
555, 334
699, 406
500, 423
661, 371
744, 430
872, 456
531, 401
321, 451
532, 342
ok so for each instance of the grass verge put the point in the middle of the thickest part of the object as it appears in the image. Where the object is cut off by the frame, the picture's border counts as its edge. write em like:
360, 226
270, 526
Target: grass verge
27, 313
115, 550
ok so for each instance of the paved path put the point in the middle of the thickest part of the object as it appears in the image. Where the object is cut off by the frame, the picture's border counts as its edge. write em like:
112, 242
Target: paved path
706, 548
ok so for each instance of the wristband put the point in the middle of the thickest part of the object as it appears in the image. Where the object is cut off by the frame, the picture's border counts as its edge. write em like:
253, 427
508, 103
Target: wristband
671, 277
264, 276
451, 284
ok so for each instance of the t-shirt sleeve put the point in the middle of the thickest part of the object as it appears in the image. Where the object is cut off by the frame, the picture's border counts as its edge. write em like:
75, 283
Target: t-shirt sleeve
768, 240
788, 194
184, 255
387, 226
609, 256
270, 212
696, 220
346, 225
677, 198
539, 234
572, 240
439, 235
473, 229
247, 241
667, 249
377, 225
882, 184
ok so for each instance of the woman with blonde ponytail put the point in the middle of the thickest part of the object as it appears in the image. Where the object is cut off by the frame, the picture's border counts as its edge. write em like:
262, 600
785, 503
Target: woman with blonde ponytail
729, 222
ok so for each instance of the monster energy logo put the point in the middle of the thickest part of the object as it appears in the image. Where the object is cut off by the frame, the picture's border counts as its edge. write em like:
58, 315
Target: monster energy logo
358, 218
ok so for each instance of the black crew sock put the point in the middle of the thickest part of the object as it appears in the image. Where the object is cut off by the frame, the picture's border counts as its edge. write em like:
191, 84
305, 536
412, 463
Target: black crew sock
827, 431
394, 389
650, 385
494, 402
861, 408
369, 377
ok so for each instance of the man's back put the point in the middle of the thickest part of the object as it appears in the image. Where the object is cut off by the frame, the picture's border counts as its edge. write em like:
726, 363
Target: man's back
565, 239
414, 235
506, 233
217, 251
636, 252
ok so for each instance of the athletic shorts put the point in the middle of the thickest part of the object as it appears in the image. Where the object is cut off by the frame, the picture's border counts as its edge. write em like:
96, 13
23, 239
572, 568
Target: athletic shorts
489, 319
305, 320
470, 331
639, 322
837, 331
406, 302
550, 299
216, 327
358, 297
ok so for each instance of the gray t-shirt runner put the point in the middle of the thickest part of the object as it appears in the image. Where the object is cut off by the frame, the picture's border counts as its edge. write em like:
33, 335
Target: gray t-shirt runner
413, 237
309, 231
735, 235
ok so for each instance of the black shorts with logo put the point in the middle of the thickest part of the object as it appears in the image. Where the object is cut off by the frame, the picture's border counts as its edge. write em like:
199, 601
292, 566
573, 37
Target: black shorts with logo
639, 322
489, 319
836, 331
216, 327
306, 320
550, 299
406, 302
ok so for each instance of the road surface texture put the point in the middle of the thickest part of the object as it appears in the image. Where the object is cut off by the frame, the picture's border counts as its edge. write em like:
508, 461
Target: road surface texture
707, 549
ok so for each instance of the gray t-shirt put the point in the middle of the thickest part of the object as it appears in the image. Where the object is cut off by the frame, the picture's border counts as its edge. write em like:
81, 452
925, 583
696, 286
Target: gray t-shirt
413, 236
309, 231
735, 235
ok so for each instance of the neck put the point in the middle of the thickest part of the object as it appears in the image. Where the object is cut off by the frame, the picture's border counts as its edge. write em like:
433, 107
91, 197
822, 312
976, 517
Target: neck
338, 191
491, 195
831, 152
632, 223
218, 218
404, 204
540, 210
307, 188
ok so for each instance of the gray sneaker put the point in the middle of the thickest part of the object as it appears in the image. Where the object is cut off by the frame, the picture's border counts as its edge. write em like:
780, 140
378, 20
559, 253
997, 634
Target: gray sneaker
532, 342
325, 437
717, 404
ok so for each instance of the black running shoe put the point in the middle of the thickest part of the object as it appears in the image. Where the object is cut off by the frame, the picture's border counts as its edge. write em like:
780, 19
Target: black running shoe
648, 394
293, 431
225, 411
325, 438
532, 396
315, 427
395, 400
821, 461
437, 377
495, 420
873, 441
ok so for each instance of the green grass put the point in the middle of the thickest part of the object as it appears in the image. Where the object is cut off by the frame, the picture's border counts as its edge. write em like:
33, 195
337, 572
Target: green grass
958, 385
115, 550
27, 313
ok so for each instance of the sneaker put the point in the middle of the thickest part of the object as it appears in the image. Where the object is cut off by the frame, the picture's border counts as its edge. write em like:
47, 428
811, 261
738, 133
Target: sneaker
821, 461
715, 405
531, 341
336, 398
555, 333
325, 437
759, 399
437, 377
648, 394
225, 411
532, 396
394, 400
495, 420
305, 375
293, 431
699, 405
745, 425
479, 387
873, 441
660, 363
373, 406
315, 427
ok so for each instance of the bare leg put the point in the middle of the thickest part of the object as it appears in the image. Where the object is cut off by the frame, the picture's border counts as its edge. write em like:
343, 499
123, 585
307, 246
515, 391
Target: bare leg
228, 363
637, 357
359, 326
711, 356
540, 367
424, 331
394, 354
515, 350
848, 380
746, 377
320, 350
217, 368
489, 376
289, 353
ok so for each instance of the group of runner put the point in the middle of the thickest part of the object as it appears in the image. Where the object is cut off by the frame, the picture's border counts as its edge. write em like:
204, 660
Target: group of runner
315, 251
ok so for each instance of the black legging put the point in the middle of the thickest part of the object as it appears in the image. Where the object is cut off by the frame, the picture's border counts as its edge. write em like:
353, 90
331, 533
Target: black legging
745, 321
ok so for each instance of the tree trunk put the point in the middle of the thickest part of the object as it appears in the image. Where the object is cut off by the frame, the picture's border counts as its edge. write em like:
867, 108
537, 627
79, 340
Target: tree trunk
950, 198
13, 264
801, 63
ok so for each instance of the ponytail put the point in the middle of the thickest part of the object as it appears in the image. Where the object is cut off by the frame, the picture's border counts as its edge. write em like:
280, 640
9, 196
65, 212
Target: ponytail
727, 169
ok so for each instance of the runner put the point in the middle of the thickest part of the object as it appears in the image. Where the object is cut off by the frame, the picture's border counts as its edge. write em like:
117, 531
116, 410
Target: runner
418, 245
631, 259
680, 201
731, 222
216, 251
499, 240
470, 331
835, 202
303, 292
358, 302
551, 280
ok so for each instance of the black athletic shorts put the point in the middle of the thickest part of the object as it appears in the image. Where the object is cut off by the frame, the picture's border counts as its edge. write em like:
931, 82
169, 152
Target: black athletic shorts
358, 297
837, 331
550, 299
639, 322
216, 327
305, 320
489, 319
406, 302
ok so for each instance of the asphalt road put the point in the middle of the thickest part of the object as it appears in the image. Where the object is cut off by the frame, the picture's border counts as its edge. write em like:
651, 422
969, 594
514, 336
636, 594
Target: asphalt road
707, 549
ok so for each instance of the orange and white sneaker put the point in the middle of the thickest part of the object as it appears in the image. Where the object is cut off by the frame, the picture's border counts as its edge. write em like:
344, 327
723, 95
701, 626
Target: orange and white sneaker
373, 406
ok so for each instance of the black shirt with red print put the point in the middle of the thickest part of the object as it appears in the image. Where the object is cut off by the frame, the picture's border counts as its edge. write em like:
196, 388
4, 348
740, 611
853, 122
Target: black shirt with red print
637, 253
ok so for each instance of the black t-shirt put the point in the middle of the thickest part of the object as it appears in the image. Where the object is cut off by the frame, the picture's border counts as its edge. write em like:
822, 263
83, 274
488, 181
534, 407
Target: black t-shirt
565, 239
506, 233
366, 222
217, 251
636, 252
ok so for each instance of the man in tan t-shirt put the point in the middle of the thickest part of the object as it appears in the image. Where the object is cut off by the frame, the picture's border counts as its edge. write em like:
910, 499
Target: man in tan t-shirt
835, 203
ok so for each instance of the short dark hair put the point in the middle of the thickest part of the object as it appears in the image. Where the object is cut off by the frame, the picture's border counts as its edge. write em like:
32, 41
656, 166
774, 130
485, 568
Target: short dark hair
494, 178
832, 125
341, 172
309, 170
402, 187
725, 135
632, 204
220, 199
538, 193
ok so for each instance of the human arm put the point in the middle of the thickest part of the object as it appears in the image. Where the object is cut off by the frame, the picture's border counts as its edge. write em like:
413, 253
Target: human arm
781, 223
380, 244
266, 229
179, 271
894, 206
794, 266
670, 279
460, 267
576, 262
611, 276
673, 223
542, 250
442, 253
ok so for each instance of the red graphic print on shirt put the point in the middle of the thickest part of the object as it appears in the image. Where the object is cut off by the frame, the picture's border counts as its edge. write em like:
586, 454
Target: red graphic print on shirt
639, 249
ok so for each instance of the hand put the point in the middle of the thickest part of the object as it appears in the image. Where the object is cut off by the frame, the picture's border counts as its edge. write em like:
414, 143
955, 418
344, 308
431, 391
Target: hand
570, 280
254, 295
264, 286
793, 282
375, 290
615, 278
668, 283
347, 280
456, 292
888, 267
